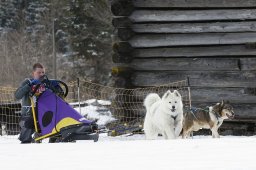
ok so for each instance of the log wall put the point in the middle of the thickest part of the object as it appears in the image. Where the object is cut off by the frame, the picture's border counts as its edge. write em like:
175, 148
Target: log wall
213, 42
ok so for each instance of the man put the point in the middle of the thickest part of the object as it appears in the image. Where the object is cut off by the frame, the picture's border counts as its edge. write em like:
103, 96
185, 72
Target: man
23, 92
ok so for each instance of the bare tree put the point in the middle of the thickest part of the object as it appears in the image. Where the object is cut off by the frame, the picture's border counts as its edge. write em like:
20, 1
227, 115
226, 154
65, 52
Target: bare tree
18, 53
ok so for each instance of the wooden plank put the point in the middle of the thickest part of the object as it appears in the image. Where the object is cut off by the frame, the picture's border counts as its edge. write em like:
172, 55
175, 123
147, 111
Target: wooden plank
212, 95
163, 40
192, 15
195, 27
193, 64
126, 7
248, 63
203, 51
194, 3
197, 78
124, 48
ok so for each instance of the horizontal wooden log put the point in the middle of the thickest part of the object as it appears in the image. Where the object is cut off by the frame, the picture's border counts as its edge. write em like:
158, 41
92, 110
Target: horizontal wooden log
122, 22
125, 7
194, 4
213, 95
248, 63
193, 64
212, 51
163, 40
195, 27
202, 51
192, 15
197, 78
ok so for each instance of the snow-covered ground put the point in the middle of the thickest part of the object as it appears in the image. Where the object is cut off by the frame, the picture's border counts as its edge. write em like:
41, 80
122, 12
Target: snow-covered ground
132, 153
128, 152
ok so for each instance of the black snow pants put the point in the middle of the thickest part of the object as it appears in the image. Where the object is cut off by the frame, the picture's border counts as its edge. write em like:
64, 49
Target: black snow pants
27, 128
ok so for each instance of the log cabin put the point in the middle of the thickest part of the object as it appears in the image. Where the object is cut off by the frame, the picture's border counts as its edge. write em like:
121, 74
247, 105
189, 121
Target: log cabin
213, 42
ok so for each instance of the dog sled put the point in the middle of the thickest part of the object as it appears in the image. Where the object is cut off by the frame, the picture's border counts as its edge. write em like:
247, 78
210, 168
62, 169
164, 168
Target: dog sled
56, 119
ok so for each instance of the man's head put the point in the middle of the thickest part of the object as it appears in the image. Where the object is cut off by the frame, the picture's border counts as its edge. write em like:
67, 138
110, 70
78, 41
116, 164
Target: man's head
38, 71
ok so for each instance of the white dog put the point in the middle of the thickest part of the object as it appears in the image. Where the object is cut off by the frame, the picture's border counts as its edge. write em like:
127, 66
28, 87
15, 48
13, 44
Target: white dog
164, 116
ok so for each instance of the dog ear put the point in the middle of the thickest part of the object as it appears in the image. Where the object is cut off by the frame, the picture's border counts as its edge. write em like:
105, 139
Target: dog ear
217, 108
166, 94
177, 93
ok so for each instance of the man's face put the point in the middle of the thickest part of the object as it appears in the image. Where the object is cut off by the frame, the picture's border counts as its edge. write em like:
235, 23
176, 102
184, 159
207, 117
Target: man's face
39, 72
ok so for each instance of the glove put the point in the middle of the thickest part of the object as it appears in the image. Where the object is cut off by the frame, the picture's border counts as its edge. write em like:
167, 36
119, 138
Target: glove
35, 82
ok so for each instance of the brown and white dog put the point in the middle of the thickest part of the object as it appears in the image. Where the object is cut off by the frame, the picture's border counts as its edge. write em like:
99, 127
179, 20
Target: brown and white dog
211, 118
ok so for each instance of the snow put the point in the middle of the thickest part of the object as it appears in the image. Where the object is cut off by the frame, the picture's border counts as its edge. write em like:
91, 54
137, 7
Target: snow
132, 153
95, 110
92, 113
91, 101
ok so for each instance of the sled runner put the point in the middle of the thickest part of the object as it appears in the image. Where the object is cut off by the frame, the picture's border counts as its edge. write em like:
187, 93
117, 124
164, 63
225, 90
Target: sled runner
55, 118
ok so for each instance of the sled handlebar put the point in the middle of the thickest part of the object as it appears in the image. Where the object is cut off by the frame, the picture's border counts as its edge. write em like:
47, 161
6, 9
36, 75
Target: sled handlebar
44, 80
66, 87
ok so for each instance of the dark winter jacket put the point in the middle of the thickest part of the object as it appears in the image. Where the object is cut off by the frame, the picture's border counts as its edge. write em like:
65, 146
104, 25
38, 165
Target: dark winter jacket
23, 93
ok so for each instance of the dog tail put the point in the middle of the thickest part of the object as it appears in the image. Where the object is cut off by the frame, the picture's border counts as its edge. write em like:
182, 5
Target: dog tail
151, 99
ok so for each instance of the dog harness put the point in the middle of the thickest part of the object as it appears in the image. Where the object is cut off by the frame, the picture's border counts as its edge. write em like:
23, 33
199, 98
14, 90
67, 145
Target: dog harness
217, 117
194, 109
174, 117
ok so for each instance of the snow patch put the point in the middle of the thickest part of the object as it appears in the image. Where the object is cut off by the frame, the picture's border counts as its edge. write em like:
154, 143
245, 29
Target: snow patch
95, 110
